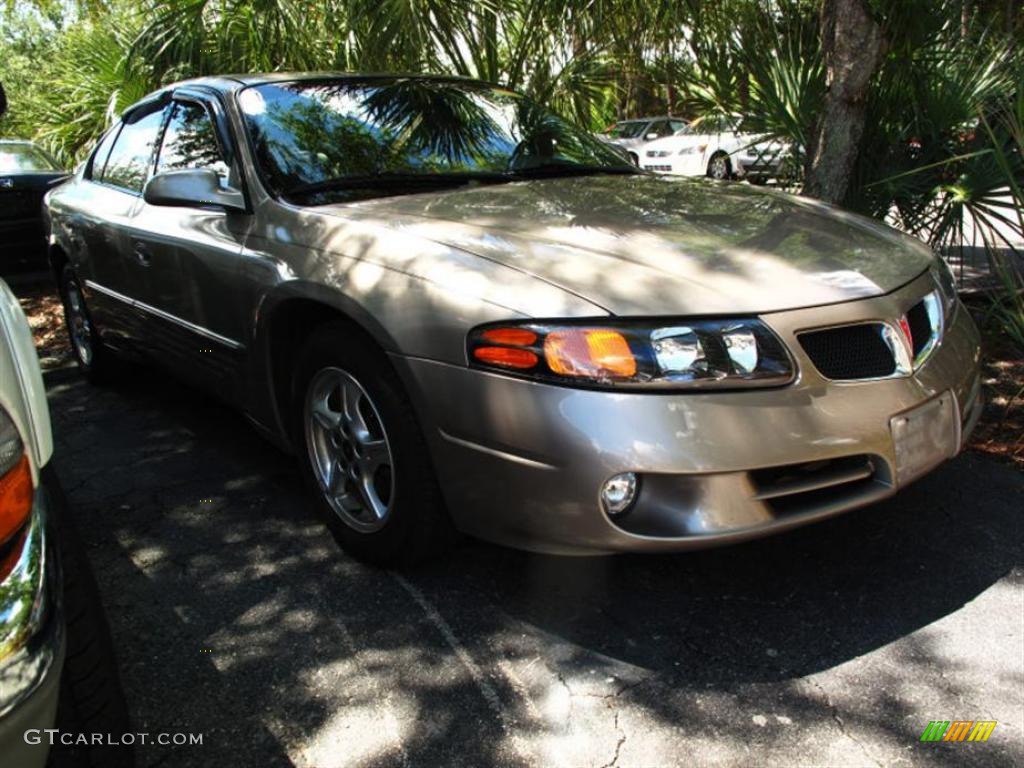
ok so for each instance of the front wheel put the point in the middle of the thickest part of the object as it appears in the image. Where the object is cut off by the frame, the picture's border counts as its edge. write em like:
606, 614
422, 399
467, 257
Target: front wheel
362, 453
720, 167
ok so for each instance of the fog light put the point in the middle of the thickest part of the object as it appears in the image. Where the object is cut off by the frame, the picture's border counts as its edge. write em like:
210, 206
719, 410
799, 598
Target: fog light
618, 493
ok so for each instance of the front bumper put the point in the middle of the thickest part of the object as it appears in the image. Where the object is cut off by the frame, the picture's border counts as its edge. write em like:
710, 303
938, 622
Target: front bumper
521, 463
31, 634
675, 164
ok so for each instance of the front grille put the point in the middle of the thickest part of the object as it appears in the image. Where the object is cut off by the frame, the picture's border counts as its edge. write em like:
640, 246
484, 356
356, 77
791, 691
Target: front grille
658, 168
920, 327
797, 488
658, 153
850, 352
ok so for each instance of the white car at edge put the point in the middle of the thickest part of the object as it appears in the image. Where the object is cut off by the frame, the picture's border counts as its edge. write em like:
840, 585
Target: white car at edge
713, 148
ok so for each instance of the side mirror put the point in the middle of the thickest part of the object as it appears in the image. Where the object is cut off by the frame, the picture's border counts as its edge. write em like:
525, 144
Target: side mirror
194, 187
651, 136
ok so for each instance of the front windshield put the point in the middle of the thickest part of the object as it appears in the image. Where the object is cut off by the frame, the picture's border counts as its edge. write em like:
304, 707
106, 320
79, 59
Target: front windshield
25, 158
338, 139
627, 130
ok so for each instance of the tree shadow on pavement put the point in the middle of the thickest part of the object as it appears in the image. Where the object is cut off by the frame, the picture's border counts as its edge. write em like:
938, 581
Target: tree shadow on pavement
235, 615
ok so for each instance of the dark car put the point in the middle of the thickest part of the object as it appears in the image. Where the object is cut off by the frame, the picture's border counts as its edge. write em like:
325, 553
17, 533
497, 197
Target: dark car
27, 172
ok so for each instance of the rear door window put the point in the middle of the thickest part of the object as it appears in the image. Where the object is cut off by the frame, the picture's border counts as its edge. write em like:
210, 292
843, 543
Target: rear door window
99, 159
131, 159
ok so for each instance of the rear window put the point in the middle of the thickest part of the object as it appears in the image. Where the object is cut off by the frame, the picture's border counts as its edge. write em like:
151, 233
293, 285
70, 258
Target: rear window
25, 158
99, 159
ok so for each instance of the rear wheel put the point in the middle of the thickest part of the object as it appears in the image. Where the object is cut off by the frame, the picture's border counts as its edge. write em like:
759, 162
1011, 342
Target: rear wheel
93, 359
362, 454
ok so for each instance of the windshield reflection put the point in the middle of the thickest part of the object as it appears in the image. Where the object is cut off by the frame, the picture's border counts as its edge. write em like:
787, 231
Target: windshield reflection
342, 139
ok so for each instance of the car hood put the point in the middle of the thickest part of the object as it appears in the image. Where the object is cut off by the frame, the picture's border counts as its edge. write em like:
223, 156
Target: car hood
648, 245
675, 143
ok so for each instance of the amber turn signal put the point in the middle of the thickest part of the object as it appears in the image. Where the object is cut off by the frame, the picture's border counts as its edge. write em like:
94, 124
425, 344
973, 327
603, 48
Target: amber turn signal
589, 352
513, 337
15, 499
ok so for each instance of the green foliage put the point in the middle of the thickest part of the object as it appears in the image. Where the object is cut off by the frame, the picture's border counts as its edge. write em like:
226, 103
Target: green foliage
941, 156
1006, 132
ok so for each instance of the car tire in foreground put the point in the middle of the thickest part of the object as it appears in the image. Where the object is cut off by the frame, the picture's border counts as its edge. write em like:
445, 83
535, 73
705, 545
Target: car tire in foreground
93, 359
362, 454
91, 700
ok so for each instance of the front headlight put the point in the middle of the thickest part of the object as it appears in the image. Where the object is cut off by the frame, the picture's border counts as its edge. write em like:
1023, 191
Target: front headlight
693, 150
690, 354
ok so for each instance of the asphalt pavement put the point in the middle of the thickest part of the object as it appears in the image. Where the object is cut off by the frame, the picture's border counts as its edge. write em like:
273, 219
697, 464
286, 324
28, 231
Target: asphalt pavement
236, 617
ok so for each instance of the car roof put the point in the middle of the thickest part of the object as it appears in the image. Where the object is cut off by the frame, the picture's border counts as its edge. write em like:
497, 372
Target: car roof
648, 119
230, 83
278, 77
18, 141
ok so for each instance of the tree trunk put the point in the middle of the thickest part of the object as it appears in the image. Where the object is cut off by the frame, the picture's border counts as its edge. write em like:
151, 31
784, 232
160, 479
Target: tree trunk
852, 44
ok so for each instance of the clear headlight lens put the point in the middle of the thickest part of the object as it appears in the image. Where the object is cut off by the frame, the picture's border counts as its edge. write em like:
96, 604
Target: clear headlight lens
693, 150
693, 354
943, 276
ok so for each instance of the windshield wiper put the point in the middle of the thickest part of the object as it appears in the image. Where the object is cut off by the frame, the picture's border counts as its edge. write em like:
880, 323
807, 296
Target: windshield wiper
388, 180
572, 169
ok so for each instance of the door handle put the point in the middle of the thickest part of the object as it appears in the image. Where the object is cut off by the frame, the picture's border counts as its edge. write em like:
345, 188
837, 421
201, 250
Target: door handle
142, 254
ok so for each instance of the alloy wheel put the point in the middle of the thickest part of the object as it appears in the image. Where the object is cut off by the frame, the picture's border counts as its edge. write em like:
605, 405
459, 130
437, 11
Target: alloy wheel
349, 450
78, 322
720, 167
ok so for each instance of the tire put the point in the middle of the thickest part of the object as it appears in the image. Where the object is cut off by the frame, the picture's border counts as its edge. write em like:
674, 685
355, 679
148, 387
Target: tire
91, 699
634, 158
720, 167
365, 464
94, 360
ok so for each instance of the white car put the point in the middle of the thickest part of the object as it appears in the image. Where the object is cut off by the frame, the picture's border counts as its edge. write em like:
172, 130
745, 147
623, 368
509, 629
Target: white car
32, 630
632, 135
54, 639
716, 149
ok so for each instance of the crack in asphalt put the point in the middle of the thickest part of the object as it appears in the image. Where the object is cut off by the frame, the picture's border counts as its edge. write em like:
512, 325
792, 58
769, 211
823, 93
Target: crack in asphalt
834, 712
618, 745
